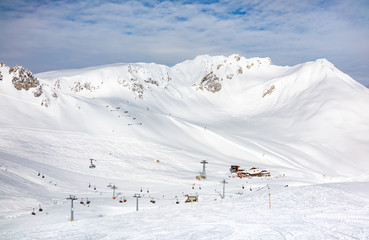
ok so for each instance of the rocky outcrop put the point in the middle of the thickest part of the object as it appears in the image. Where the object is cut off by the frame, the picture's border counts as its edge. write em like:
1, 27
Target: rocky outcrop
140, 80
269, 91
23, 79
211, 83
38, 91
78, 86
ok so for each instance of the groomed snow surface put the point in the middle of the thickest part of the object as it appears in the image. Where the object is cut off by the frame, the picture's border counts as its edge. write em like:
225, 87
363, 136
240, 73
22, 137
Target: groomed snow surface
306, 209
310, 131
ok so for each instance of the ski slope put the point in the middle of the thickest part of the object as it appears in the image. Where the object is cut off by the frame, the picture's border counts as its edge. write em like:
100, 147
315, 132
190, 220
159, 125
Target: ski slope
306, 122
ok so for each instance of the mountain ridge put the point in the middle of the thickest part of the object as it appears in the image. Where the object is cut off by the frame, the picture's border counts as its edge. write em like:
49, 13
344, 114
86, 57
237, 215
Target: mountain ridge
311, 111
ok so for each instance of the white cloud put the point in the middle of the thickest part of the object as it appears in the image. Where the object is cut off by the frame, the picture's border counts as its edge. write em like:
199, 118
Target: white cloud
57, 35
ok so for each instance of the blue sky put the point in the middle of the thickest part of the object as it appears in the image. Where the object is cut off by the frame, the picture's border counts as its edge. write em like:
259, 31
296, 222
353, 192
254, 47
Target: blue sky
50, 35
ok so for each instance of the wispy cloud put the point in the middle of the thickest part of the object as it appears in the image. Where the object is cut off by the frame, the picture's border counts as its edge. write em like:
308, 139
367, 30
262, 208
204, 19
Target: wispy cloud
46, 35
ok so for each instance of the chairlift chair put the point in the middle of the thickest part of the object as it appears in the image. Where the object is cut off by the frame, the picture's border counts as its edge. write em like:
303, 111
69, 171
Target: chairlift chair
81, 202
121, 200
40, 209
33, 212
92, 165
87, 201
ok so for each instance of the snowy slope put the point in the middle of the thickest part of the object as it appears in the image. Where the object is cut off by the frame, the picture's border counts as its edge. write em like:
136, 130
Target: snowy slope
311, 113
306, 121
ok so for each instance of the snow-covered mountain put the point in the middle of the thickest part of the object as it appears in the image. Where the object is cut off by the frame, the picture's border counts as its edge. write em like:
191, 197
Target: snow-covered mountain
313, 113
307, 121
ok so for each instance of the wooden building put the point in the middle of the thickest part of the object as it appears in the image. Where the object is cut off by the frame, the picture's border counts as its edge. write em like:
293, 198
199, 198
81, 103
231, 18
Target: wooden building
193, 198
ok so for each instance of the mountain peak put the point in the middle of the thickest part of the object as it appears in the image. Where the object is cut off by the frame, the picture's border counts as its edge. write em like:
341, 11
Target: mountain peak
21, 78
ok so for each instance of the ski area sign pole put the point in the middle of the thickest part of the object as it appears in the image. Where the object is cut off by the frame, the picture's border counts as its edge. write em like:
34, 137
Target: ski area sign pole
224, 183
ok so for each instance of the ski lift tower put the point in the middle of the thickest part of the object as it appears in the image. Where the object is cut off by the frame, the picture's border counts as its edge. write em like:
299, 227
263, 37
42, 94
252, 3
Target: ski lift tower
203, 174
92, 165
137, 196
114, 187
71, 198
224, 183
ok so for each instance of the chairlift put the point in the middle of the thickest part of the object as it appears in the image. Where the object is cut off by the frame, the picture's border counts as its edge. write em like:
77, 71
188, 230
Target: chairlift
124, 200
121, 200
147, 191
95, 188
92, 165
87, 201
38, 174
40, 209
33, 212
89, 185
43, 176
153, 201
81, 202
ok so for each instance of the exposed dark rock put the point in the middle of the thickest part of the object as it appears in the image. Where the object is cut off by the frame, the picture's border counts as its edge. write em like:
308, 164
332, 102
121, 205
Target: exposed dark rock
23, 78
37, 92
211, 83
